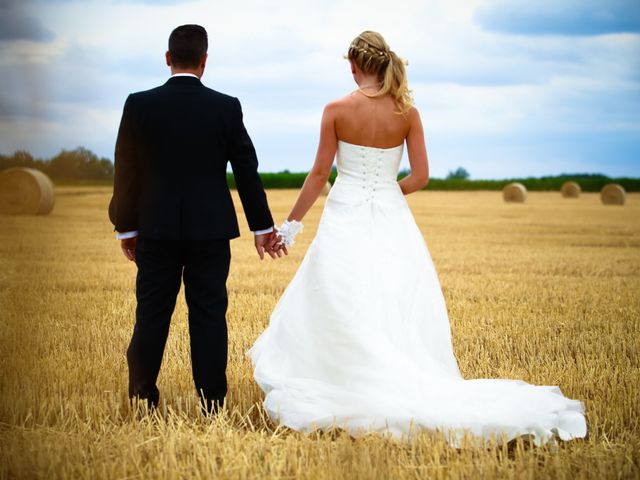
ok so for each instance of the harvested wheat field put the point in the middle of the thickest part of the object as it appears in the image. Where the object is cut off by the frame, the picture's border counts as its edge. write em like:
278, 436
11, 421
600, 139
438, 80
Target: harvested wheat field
547, 292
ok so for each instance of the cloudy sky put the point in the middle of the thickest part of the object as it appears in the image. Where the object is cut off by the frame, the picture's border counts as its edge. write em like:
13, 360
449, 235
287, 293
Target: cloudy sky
505, 88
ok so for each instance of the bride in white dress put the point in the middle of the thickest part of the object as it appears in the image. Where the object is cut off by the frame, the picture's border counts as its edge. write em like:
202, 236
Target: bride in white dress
360, 339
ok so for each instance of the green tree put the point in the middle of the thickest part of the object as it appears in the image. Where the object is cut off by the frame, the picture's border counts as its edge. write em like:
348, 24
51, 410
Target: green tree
80, 163
460, 174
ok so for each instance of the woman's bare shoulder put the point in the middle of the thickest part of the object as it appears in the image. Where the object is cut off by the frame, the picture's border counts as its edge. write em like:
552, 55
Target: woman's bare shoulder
340, 103
413, 115
413, 112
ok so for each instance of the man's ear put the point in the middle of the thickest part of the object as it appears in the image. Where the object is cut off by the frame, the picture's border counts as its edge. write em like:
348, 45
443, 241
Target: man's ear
203, 62
167, 57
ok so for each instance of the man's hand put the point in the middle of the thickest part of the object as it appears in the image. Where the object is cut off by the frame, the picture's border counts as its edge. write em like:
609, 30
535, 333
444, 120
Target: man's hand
269, 243
278, 248
128, 246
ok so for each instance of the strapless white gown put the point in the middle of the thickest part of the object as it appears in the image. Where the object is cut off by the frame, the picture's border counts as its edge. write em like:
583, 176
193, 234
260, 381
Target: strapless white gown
361, 339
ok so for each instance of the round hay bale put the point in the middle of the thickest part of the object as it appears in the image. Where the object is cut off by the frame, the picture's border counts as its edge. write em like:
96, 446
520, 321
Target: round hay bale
25, 191
326, 189
613, 194
514, 192
570, 190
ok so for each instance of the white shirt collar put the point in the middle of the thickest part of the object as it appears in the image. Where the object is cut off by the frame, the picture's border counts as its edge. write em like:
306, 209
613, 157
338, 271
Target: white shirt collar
184, 75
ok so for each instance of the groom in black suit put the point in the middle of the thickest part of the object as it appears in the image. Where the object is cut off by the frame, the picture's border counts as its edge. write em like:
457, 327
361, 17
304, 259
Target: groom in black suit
174, 215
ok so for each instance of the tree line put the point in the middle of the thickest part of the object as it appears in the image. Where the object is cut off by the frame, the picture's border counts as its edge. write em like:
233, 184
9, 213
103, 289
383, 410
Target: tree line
82, 165
68, 165
589, 182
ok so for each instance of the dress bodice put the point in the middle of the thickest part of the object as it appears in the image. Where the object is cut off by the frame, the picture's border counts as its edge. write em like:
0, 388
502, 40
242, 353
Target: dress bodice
368, 166
367, 175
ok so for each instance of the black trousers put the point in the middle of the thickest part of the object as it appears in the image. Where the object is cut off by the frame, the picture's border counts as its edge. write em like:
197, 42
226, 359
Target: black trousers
204, 266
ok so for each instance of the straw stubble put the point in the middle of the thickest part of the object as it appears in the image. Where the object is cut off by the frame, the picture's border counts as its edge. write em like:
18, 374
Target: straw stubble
547, 294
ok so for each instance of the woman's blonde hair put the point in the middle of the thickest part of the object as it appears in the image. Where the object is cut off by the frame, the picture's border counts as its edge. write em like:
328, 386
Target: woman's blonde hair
372, 55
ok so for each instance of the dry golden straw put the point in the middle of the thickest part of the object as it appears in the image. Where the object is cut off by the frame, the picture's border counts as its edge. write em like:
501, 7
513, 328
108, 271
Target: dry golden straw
570, 190
613, 194
514, 192
25, 191
548, 295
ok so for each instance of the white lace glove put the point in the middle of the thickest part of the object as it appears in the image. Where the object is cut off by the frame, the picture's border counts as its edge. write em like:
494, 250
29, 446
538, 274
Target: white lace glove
288, 230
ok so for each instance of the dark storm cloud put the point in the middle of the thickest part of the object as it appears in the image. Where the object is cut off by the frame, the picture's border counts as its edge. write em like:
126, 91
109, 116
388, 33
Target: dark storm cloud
17, 24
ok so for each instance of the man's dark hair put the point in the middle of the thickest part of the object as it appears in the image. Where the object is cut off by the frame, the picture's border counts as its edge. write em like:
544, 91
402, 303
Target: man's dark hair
187, 45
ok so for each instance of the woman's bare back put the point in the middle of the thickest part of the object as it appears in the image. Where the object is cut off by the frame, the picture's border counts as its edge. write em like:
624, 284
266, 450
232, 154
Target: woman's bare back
375, 122
371, 122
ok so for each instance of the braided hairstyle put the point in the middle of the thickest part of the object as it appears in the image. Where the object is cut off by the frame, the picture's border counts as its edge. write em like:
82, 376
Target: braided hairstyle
372, 55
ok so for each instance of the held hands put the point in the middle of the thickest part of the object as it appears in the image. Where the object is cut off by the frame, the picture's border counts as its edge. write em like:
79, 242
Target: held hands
270, 243
276, 243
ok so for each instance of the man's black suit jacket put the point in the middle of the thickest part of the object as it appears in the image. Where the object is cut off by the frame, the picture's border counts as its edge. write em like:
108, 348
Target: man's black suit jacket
171, 157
